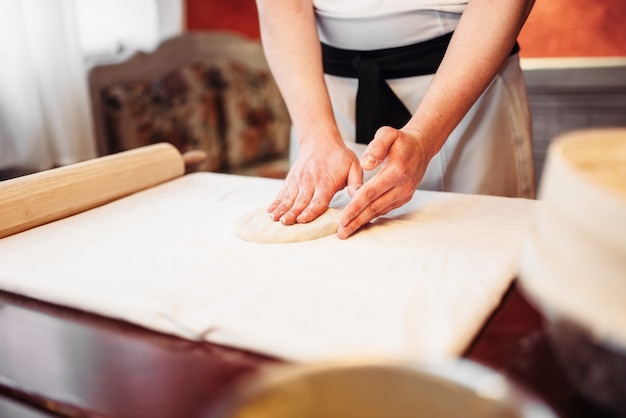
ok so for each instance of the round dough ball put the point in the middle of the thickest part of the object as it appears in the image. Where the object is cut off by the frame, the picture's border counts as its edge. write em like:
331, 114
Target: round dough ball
256, 226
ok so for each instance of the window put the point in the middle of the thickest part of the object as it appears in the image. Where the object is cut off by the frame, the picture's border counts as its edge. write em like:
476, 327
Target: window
112, 27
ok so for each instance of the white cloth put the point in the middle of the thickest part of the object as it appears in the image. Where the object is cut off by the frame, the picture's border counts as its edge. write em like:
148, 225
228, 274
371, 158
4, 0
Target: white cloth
373, 8
418, 284
44, 103
367, 25
45, 116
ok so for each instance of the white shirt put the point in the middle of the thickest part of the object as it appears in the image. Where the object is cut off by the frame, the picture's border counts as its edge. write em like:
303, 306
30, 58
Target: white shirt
374, 8
378, 24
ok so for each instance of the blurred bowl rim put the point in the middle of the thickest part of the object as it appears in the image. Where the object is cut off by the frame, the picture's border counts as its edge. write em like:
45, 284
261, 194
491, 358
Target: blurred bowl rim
481, 380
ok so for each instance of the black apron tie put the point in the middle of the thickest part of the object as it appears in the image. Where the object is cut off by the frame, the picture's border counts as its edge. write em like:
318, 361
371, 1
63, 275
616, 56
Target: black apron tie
376, 103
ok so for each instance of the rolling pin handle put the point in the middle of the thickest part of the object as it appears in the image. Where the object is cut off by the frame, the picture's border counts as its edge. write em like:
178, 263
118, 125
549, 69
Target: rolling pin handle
193, 159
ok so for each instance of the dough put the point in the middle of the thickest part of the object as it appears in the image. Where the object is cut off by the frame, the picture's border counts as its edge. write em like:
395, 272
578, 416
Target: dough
256, 226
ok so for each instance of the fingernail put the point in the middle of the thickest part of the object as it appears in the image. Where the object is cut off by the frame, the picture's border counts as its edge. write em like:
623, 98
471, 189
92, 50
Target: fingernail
302, 217
344, 233
368, 161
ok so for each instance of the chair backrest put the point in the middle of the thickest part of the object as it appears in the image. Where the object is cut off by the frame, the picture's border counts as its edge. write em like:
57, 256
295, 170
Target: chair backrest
210, 91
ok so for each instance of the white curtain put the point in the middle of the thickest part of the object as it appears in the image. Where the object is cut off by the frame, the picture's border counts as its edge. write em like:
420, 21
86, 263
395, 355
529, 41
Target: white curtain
45, 115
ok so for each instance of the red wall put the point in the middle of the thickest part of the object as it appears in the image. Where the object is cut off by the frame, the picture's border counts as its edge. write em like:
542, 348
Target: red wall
575, 28
232, 15
555, 28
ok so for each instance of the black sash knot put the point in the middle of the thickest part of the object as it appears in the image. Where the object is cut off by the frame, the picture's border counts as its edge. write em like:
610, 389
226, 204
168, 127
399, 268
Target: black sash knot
376, 103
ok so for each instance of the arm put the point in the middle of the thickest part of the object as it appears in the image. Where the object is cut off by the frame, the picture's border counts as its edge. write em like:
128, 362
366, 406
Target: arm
481, 43
325, 165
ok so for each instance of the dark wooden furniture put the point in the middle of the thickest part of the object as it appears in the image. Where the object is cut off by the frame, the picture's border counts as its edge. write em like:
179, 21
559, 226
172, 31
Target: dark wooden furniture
59, 361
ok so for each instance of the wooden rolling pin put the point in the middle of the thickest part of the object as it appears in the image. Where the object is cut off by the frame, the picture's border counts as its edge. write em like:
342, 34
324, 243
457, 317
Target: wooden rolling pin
47, 196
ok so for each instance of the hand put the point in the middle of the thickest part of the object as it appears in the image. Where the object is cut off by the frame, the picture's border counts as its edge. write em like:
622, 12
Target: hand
320, 171
404, 162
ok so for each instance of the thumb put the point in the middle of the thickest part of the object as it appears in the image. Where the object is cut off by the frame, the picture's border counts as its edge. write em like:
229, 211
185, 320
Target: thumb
355, 179
378, 149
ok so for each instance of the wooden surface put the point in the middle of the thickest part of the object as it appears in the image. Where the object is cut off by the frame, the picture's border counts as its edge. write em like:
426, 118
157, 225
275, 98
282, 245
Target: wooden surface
77, 364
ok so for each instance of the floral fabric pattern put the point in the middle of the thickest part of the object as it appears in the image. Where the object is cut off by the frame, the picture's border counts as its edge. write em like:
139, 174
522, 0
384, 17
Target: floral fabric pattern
231, 112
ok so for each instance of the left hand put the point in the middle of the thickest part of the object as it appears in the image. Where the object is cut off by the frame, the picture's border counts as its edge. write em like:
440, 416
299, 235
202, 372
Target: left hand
403, 161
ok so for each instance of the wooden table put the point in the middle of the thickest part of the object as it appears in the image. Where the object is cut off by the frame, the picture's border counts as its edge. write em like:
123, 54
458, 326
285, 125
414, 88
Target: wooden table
60, 361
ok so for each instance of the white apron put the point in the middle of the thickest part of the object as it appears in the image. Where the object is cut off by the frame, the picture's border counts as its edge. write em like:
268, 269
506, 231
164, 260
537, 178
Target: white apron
489, 152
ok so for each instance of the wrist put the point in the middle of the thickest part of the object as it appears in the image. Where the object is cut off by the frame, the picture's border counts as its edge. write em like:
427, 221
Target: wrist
318, 136
429, 143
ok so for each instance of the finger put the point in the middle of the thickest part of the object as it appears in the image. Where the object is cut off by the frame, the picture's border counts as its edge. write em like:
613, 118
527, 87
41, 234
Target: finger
318, 205
373, 210
378, 149
303, 200
386, 203
287, 200
355, 179
279, 198
363, 199
379, 195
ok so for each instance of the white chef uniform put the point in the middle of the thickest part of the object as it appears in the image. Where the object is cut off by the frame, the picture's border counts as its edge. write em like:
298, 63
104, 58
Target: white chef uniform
490, 150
